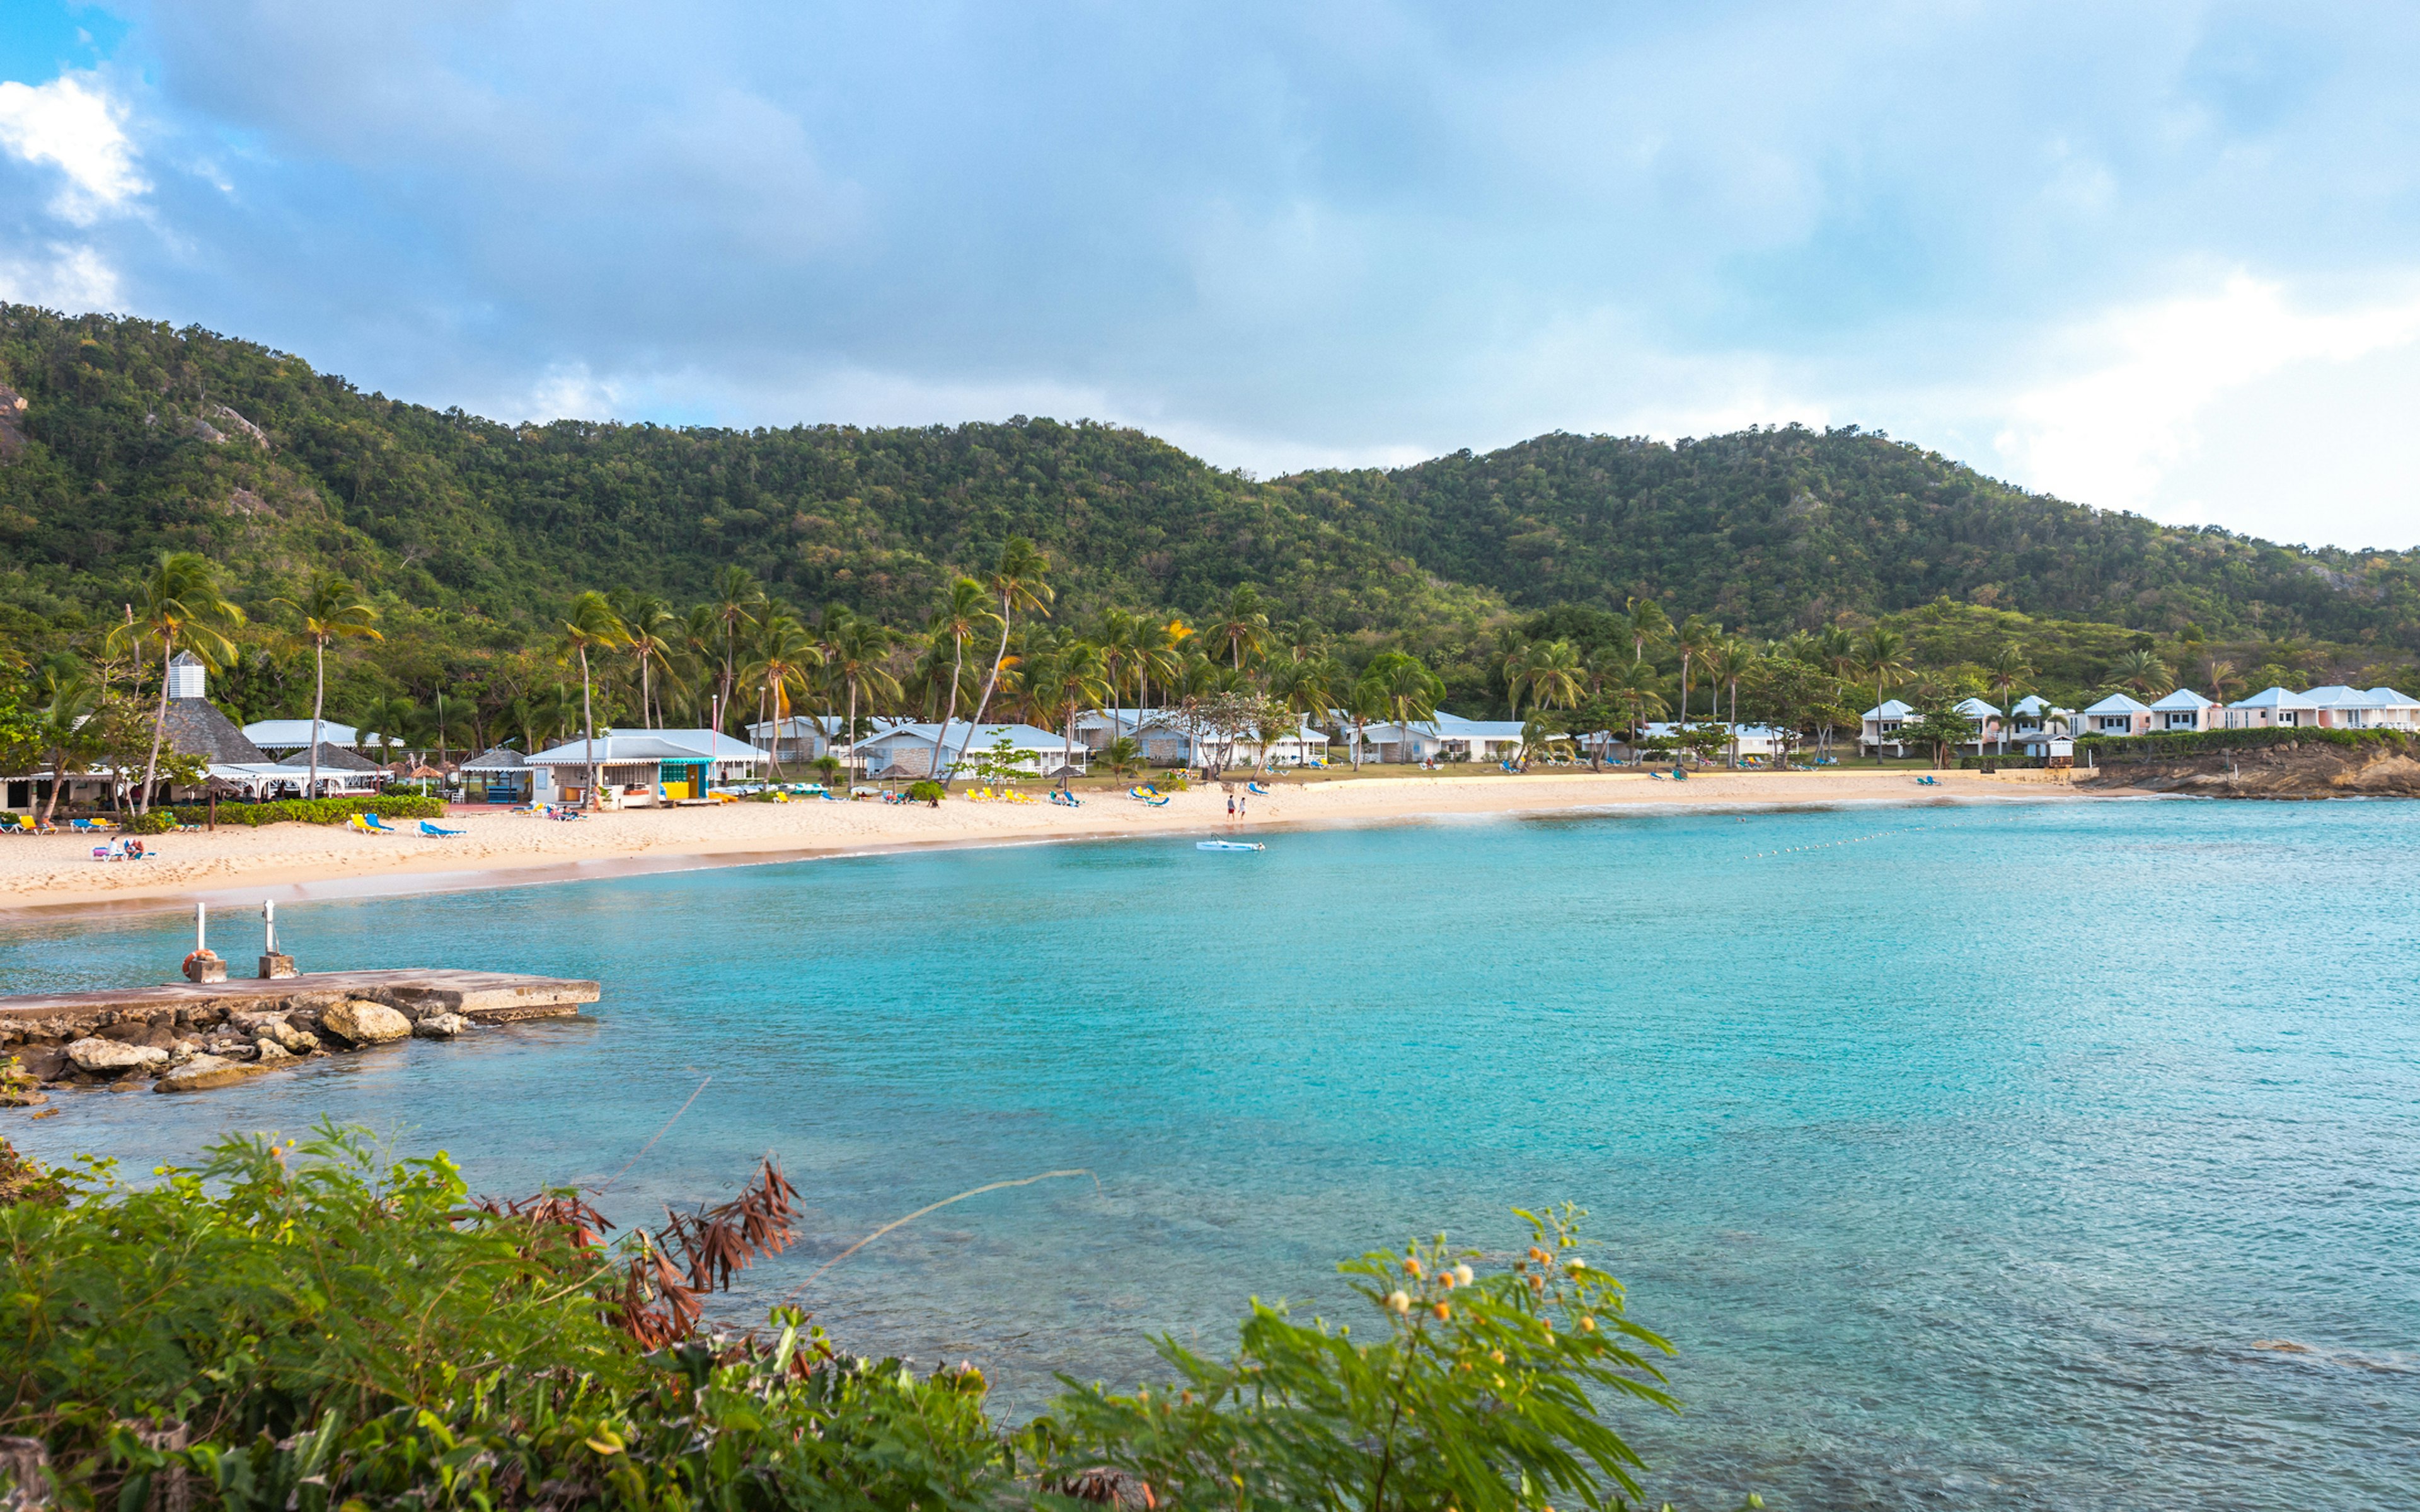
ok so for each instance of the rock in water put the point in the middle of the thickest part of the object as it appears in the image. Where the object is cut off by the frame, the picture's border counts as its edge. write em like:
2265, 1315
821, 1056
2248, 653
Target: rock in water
47, 1062
359, 1021
109, 1058
203, 1072
441, 1025
272, 1052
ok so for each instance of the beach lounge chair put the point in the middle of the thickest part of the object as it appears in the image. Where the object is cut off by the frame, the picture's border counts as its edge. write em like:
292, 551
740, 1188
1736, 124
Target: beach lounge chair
1256, 789
1926, 782
435, 833
359, 826
380, 824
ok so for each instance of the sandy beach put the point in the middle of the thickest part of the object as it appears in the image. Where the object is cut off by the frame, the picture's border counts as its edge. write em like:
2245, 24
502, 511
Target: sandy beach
292, 860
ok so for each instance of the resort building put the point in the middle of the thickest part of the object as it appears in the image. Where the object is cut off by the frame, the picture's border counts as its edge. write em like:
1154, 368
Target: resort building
1880, 727
2036, 727
281, 737
800, 738
1165, 741
2332, 707
2117, 715
1441, 737
2185, 710
1096, 728
499, 775
904, 753
637, 768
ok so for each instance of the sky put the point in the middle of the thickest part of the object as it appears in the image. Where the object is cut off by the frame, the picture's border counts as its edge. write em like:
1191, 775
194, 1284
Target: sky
2159, 256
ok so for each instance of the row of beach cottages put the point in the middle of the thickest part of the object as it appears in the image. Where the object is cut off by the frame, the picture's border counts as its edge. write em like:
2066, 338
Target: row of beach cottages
2033, 727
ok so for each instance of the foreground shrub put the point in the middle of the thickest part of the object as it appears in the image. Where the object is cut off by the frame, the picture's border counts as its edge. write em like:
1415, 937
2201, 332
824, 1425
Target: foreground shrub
305, 1329
315, 810
2161, 744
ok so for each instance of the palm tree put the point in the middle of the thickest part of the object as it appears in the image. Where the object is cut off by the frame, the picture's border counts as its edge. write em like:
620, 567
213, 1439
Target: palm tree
2141, 669
1730, 661
1637, 688
1406, 687
1063, 683
388, 718
857, 655
180, 604
1017, 579
1363, 699
2005, 668
965, 612
1696, 638
438, 720
654, 630
590, 627
331, 608
1301, 639
2222, 678
66, 730
1647, 625
1157, 652
786, 652
1243, 626
1550, 673
736, 601
1881, 656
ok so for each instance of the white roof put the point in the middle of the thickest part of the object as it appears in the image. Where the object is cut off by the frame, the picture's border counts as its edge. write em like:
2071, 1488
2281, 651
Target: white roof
1893, 710
296, 732
2274, 698
2034, 704
1453, 724
624, 746
1020, 736
2183, 697
2120, 703
1977, 709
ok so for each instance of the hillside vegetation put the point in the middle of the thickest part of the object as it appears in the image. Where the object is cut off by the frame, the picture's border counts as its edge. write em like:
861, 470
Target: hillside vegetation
123, 439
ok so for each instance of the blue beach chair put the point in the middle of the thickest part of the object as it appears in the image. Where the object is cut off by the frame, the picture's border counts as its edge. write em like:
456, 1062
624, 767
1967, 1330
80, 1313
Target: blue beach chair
435, 833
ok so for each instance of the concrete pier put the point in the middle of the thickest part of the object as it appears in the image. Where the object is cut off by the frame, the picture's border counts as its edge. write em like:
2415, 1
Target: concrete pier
481, 996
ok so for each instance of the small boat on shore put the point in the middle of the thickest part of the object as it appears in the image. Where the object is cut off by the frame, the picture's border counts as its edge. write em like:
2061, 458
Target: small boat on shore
1229, 846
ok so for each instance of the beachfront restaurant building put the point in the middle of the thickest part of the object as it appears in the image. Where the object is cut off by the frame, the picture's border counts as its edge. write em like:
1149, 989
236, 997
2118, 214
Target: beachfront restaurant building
907, 752
640, 768
499, 775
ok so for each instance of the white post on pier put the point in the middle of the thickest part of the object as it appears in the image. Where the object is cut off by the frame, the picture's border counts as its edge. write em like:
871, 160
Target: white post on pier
272, 964
201, 934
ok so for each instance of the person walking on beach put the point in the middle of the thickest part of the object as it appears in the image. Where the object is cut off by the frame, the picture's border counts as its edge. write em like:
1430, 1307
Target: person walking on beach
1231, 806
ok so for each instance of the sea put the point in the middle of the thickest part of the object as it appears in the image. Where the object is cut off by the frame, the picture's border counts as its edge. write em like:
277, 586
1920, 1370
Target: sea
2007, 1155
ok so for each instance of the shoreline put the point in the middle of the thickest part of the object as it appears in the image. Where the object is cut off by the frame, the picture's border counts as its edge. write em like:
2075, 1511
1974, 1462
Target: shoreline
52, 878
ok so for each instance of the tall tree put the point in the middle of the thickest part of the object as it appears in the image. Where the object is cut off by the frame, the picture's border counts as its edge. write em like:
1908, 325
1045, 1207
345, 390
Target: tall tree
1406, 688
178, 604
1696, 638
2005, 670
653, 632
1647, 625
964, 613
736, 601
785, 655
857, 655
1881, 657
331, 608
1551, 674
591, 627
1731, 661
2140, 670
1018, 581
1243, 626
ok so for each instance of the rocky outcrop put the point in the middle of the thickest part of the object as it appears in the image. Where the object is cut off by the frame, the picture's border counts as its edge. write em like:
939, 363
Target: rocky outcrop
358, 1021
440, 1026
114, 1057
2315, 770
203, 1072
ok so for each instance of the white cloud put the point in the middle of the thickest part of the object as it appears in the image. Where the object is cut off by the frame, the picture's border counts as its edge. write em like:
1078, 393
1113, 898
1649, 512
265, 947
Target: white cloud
74, 124
71, 277
2141, 383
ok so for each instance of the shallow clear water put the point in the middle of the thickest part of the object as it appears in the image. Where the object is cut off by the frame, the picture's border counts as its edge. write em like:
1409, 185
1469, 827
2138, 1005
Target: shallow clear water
1966, 1152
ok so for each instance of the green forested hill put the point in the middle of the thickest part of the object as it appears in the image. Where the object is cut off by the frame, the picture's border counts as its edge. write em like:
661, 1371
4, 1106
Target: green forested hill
120, 439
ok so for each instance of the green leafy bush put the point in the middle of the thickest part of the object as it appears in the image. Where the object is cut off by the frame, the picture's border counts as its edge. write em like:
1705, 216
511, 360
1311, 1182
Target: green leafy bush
158, 822
2196, 742
927, 792
307, 1328
315, 810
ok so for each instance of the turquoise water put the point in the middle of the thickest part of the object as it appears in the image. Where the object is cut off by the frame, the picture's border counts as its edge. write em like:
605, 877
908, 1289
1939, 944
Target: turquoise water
1967, 1152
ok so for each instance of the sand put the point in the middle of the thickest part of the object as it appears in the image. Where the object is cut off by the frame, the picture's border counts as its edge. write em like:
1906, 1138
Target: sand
292, 860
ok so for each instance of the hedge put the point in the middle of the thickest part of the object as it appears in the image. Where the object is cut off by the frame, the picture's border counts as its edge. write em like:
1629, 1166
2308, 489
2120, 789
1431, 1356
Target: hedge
315, 811
2158, 745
